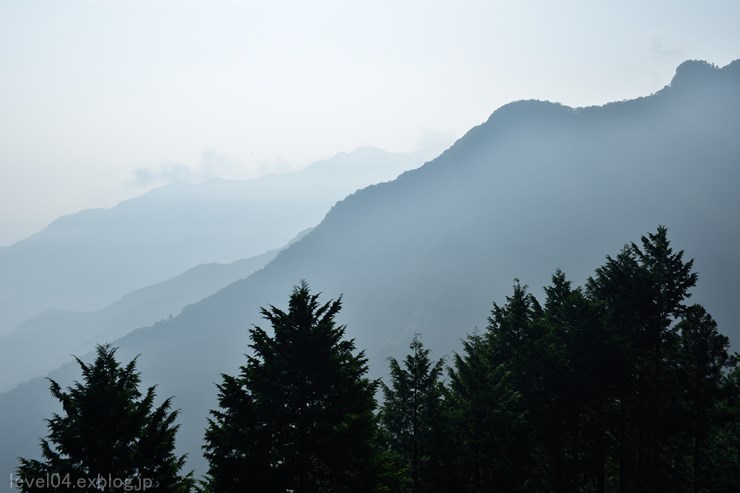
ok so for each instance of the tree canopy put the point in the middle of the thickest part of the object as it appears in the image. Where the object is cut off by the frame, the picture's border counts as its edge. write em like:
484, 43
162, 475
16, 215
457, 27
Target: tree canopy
110, 436
620, 385
300, 414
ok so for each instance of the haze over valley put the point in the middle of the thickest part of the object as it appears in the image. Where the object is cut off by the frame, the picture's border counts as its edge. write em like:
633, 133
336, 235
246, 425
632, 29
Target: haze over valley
421, 248
536, 187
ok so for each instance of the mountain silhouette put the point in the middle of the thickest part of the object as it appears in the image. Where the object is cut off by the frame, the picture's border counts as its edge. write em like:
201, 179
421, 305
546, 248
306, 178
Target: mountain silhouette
45, 341
87, 260
536, 187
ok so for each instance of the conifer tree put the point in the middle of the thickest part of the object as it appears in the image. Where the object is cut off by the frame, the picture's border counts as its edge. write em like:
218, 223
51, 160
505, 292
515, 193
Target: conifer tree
520, 340
493, 440
669, 278
109, 434
413, 420
567, 408
721, 465
702, 365
512, 331
300, 414
642, 293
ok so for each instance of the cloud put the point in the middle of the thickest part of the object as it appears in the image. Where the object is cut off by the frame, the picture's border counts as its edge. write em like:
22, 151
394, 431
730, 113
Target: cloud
165, 173
277, 165
212, 164
663, 57
659, 52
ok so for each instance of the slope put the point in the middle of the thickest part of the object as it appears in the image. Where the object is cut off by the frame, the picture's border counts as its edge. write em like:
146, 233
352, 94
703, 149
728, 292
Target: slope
536, 187
87, 260
45, 341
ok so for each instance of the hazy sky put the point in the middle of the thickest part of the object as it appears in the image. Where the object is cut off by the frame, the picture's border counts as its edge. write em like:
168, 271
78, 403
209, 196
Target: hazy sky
103, 99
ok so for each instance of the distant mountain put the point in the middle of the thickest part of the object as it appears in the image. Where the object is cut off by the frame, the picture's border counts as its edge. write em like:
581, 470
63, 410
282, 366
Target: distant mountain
536, 187
87, 260
46, 341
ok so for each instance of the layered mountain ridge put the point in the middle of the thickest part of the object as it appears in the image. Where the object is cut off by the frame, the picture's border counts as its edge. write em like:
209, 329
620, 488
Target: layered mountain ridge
536, 187
45, 341
87, 260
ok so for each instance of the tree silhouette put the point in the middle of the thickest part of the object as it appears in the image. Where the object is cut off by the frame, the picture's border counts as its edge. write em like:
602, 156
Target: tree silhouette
412, 415
299, 416
493, 439
702, 362
109, 433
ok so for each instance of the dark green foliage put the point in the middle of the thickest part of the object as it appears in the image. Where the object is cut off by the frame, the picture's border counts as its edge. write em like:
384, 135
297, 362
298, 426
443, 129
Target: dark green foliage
642, 293
616, 387
720, 466
571, 366
513, 332
413, 421
299, 416
706, 395
109, 430
492, 447
619, 387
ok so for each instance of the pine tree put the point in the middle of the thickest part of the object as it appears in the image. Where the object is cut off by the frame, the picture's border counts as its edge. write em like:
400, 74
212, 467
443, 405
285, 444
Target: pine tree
721, 466
108, 432
493, 442
521, 341
618, 291
567, 407
594, 372
669, 279
300, 414
642, 293
413, 420
702, 365
512, 331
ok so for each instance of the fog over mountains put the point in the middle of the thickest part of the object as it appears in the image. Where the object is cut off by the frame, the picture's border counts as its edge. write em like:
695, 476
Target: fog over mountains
87, 260
536, 187
47, 340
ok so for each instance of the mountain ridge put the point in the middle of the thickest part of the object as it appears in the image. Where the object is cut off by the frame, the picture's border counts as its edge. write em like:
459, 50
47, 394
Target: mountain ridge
89, 259
45, 341
429, 251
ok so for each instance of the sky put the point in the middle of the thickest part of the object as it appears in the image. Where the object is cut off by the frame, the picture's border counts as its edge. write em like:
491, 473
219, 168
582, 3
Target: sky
101, 100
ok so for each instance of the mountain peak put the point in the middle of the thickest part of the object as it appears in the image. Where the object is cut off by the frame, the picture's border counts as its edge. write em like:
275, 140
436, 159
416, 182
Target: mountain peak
694, 73
528, 109
693, 70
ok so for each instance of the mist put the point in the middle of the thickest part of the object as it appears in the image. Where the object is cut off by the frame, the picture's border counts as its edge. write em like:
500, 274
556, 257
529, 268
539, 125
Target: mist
542, 194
